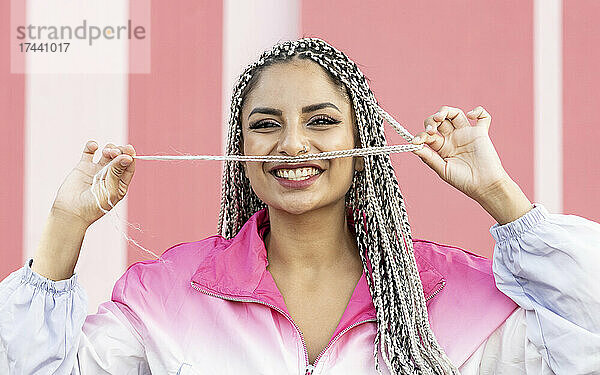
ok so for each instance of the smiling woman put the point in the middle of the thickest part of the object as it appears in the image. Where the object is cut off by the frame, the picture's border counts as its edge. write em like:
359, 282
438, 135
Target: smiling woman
314, 270
317, 100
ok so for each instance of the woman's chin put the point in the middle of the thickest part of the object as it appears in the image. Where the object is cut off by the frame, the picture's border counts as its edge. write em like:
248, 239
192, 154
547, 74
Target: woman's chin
296, 207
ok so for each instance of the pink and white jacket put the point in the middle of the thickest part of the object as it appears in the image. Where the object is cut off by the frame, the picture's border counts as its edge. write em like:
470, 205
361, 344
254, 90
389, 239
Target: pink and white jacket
211, 307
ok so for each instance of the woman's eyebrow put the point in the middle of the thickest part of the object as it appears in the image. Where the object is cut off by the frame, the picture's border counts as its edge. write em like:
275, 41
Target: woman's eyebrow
266, 111
316, 107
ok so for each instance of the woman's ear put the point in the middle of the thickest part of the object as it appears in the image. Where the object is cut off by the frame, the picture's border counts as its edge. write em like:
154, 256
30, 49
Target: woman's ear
359, 161
243, 162
359, 164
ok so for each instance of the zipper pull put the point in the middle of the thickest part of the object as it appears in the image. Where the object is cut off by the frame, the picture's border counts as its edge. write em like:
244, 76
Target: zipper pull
309, 369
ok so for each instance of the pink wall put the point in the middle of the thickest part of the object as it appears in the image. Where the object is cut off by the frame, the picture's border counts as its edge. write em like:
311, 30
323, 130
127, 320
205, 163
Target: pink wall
12, 112
422, 55
418, 55
581, 103
177, 108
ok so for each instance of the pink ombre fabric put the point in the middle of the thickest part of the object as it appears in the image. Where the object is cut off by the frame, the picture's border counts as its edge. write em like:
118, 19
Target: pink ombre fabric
212, 303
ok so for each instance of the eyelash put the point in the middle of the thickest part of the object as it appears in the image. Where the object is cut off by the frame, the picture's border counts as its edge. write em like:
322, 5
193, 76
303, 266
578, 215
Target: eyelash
328, 121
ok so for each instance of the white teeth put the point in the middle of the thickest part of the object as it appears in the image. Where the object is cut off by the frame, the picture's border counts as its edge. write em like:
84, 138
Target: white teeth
297, 174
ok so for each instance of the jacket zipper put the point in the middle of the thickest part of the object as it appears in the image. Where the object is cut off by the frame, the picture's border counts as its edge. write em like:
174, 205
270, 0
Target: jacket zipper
309, 368
195, 286
312, 367
357, 323
436, 291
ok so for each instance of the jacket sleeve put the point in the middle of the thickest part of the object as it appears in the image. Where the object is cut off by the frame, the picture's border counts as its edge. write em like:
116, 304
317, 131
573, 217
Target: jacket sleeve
507, 351
548, 264
44, 330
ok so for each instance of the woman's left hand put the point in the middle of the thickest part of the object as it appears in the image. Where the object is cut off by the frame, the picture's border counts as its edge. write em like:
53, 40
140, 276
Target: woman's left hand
461, 154
464, 156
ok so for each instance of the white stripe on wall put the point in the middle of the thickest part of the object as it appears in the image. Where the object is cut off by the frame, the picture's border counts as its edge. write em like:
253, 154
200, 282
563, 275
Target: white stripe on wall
548, 146
250, 27
63, 111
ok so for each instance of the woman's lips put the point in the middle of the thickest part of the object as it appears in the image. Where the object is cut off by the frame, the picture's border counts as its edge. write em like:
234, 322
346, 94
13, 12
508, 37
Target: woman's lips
297, 184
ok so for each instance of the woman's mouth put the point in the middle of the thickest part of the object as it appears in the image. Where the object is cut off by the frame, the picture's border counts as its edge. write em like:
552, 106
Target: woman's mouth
296, 178
296, 174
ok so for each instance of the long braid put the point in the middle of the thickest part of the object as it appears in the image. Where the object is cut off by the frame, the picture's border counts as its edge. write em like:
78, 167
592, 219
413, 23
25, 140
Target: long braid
406, 341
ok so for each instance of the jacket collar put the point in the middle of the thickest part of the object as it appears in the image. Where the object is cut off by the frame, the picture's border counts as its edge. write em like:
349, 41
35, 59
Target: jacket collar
237, 270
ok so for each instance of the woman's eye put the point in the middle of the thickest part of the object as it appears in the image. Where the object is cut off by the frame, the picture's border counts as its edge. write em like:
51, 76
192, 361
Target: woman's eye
263, 124
323, 120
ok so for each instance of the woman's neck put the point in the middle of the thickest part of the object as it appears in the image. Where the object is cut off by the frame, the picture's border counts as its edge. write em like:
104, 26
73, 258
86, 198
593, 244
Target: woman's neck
315, 242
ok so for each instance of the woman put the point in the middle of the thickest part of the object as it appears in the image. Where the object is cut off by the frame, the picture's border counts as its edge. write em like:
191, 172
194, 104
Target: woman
315, 270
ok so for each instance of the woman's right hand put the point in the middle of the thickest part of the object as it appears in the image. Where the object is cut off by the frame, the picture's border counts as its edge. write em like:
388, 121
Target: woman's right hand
74, 198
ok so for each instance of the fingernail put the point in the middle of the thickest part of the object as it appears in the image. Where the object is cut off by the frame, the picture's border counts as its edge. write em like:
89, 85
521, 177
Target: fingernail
416, 139
125, 162
429, 128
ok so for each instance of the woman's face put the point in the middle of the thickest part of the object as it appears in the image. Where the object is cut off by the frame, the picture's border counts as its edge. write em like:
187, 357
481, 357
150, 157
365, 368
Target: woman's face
294, 107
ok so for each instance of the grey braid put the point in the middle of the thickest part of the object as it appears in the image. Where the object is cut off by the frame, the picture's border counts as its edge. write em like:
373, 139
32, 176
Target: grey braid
383, 234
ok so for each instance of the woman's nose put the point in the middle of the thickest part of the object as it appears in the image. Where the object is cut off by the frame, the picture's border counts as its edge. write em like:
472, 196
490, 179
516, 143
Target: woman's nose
292, 142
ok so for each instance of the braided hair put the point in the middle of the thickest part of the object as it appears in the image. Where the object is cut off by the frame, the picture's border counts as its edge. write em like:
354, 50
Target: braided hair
383, 234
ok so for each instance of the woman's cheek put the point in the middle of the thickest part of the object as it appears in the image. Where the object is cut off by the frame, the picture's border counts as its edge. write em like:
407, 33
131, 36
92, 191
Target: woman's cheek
343, 172
256, 176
